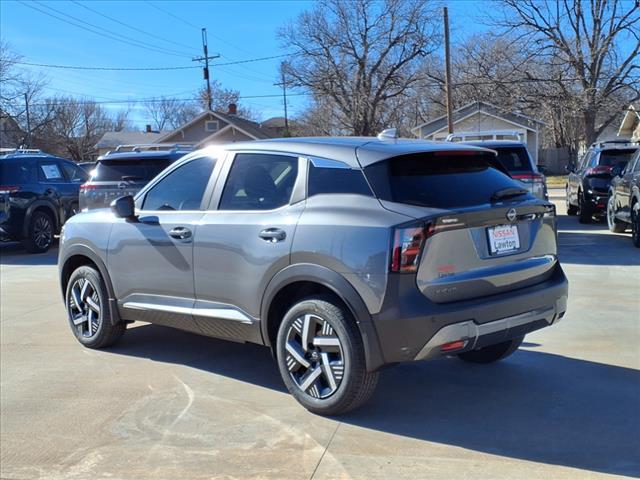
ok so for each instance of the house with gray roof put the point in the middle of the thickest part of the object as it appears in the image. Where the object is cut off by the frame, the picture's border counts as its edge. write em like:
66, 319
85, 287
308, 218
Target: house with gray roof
110, 140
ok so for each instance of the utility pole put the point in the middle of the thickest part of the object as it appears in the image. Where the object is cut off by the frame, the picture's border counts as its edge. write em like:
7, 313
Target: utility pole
447, 73
26, 105
283, 84
206, 58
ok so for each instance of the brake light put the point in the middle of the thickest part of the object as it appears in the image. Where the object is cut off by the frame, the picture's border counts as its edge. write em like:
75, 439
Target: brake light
9, 189
407, 247
599, 170
87, 186
529, 177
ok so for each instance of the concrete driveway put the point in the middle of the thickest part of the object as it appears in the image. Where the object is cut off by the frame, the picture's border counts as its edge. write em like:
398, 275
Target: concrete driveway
164, 404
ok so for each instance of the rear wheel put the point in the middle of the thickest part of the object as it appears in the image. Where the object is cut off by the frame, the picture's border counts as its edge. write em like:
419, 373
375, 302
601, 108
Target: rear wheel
585, 214
492, 353
321, 357
88, 309
571, 209
635, 224
616, 226
39, 232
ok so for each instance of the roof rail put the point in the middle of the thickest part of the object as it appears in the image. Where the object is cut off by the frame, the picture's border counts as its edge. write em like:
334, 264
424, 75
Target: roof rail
146, 147
604, 143
21, 151
489, 135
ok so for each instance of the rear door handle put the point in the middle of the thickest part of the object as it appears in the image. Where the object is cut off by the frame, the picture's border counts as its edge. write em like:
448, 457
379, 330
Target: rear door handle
180, 233
273, 235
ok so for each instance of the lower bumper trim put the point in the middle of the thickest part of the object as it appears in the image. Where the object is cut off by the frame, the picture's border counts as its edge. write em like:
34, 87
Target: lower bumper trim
471, 333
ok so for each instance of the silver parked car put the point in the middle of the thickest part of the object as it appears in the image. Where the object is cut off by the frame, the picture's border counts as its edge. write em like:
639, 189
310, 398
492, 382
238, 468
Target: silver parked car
125, 170
340, 254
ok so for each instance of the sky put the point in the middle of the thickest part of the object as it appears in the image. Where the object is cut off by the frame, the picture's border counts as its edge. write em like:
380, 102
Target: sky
159, 33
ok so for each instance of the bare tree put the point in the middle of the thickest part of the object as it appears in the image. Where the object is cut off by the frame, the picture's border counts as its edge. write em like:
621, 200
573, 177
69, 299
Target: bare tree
221, 98
361, 55
590, 48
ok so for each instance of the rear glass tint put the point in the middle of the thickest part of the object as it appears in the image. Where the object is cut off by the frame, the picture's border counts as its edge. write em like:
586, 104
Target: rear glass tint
336, 180
612, 158
438, 180
514, 159
132, 170
16, 173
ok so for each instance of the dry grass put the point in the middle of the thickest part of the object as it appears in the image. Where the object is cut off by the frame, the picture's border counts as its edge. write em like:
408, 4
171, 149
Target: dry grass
556, 181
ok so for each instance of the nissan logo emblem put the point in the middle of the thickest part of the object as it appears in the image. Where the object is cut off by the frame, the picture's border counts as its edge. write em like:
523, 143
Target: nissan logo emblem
511, 214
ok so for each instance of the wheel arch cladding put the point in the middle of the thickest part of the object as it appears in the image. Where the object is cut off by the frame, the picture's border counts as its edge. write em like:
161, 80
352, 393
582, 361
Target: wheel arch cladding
79, 255
303, 280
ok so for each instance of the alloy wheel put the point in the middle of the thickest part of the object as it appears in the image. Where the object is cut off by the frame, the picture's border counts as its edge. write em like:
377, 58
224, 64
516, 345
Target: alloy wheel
314, 356
610, 214
83, 305
42, 232
635, 224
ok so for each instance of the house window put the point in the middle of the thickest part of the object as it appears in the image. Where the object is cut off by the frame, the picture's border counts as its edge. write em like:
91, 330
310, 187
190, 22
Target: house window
211, 126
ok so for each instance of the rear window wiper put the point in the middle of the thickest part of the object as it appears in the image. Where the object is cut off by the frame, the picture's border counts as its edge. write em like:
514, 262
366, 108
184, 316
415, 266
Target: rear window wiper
508, 193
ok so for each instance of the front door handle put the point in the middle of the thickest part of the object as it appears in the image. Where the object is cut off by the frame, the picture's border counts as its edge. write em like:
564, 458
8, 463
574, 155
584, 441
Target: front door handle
180, 233
273, 235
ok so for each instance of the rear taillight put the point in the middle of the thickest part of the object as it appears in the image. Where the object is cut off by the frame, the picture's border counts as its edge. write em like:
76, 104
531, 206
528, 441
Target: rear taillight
599, 170
408, 243
529, 177
9, 189
87, 186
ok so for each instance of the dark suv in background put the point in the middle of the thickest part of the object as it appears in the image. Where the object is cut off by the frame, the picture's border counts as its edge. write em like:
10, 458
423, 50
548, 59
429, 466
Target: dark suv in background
38, 193
125, 171
588, 183
341, 254
623, 207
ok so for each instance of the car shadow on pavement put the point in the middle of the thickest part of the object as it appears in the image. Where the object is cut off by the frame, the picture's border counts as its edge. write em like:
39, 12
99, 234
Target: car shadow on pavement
13, 253
533, 406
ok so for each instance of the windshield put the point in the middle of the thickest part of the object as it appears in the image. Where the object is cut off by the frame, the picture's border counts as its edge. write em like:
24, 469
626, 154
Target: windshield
612, 158
132, 170
514, 159
439, 180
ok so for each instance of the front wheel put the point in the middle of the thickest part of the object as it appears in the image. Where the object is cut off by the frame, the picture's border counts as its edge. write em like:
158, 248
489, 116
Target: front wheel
88, 309
39, 232
492, 353
585, 214
635, 224
321, 357
571, 209
615, 225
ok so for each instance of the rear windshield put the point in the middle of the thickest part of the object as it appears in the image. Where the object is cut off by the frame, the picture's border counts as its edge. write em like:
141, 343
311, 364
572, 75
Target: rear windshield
514, 159
132, 170
438, 180
12, 173
612, 158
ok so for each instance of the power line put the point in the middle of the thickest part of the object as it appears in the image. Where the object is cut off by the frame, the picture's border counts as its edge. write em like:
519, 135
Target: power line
166, 12
79, 24
130, 27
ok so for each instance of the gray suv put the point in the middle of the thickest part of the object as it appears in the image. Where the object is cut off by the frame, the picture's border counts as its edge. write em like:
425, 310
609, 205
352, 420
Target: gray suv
342, 255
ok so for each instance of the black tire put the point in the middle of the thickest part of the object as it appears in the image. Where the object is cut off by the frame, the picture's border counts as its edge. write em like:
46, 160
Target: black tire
585, 213
572, 210
97, 329
40, 232
353, 384
615, 225
492, 353
635, 225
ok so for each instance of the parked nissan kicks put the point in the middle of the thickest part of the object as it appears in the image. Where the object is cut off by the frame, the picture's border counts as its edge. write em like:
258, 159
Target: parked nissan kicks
125, 170
588, 183
38, 193
340, 254
623, 207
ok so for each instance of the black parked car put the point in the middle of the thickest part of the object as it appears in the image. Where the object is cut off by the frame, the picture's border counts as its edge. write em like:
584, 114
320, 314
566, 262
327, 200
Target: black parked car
38, 193
623, 208
589, 181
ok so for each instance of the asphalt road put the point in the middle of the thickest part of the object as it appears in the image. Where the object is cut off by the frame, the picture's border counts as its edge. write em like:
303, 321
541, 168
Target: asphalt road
164, 404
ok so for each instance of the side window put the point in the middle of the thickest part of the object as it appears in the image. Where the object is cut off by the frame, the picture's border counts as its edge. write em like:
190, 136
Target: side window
259, 181
183, 188
593, 161
50, 172
329, 179
75, 174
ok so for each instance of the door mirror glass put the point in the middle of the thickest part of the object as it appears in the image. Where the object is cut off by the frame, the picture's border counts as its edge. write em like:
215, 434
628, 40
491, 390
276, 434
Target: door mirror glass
570, 168
124, 207
542, 169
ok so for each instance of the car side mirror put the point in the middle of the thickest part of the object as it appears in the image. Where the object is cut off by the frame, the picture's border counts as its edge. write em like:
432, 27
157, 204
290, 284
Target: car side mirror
124, 207
570, 168
616, 170
542, 169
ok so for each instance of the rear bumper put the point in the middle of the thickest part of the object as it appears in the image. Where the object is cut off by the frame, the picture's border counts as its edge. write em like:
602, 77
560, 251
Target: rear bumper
410, 327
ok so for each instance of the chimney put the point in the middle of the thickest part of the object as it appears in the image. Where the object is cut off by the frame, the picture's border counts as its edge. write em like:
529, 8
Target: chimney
233, 109
148, 128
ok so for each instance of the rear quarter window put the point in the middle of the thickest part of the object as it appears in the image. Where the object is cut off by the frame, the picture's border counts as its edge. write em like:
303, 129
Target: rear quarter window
336, 180
438, 180
16, 173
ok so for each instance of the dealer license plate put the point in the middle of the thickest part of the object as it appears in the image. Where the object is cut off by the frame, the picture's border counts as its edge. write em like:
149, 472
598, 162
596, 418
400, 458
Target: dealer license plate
503, 239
